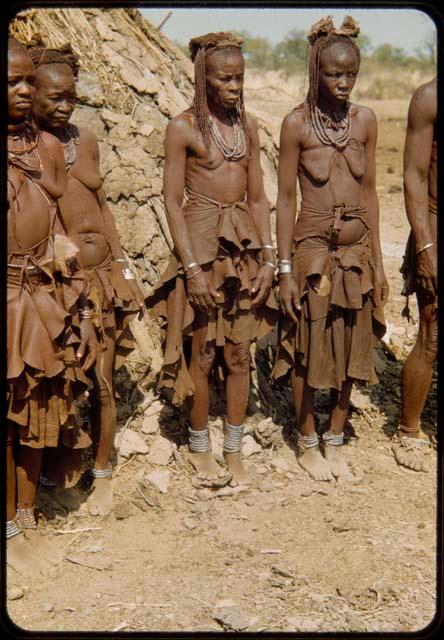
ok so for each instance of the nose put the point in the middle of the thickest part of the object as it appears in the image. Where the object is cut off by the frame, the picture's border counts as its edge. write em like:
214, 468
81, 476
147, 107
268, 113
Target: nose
25, 90
65, 107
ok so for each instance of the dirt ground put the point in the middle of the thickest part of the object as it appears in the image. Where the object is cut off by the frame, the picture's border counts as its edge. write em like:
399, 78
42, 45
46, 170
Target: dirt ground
286, 555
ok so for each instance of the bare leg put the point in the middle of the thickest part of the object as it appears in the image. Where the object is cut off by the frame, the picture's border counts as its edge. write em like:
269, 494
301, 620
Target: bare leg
237, 359
416, 379
339, 403
28, 465
310, 459
202, 358
103, 428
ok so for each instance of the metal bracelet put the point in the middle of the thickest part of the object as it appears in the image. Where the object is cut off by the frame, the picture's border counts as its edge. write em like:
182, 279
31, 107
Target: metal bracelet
102, 473
233, 437
284, 268
308, 442
128, 274
285, 261
191, 265
426, 246
121, 260
25, 518
331, 438
86, 314
199, 440
12, 529
270, 264
268, 246
193, 275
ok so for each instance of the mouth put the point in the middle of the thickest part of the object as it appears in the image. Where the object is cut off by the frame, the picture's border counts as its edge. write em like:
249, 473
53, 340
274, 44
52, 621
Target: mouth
24, 104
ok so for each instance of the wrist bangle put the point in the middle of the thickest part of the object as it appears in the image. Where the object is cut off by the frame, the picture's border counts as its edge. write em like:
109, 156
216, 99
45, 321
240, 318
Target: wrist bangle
194, 274
426, 246
128, 274
270, 264
86, 314
285, 268
120, 260
268, 246
191, 265
284, 261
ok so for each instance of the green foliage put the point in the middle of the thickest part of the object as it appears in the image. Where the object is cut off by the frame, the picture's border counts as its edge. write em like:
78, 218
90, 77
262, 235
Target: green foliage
290, 55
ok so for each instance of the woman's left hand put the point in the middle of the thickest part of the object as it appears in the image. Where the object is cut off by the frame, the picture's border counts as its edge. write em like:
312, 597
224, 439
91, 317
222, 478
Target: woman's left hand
262, 285
88, 344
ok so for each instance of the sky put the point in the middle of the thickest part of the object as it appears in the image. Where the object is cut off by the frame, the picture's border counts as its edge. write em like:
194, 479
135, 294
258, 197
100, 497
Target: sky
404, 28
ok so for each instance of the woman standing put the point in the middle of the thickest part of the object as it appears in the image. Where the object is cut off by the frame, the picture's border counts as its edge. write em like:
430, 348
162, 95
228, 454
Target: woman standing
113, 294
331, 278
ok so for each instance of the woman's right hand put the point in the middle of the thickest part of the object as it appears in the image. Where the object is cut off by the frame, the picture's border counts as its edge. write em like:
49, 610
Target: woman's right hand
289, 296
201, 292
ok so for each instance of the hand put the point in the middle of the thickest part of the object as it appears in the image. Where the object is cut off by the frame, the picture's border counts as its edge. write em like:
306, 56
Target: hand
88, 343
426, 271
382, 289
201, 292
137, 296
289, 296
262, 285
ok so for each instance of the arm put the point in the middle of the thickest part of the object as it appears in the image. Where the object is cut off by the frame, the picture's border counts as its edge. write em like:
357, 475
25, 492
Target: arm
259, 207
417, 157
179, 136
55, 180
371, 200
289, 152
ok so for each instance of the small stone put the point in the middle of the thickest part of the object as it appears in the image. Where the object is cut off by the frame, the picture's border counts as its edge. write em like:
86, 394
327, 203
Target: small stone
130, 444
250, 502
160, 451
150, 424
281, 571
395, 188
15, 593
189, 523
200, 507
48, 607
262, 469
122, 511
160, 479
265, 485
280, 465
411, 331
231, 618
250, 446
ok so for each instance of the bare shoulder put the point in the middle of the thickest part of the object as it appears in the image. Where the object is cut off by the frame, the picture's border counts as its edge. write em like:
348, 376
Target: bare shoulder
251, 121
50, 141
86, 135
182, 126
424, 101
294, 124
363, 114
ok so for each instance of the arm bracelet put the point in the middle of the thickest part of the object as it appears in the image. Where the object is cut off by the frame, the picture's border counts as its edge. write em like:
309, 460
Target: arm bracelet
86, 314
270, 264
426, 246
193, 275
285, 268
268, 246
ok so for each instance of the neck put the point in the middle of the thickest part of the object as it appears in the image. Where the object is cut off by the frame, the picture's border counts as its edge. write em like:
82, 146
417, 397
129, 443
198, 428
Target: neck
219, 112
16, 128
336, 110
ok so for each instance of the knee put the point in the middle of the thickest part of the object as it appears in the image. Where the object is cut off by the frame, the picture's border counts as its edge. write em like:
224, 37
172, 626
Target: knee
205, 359
237, 358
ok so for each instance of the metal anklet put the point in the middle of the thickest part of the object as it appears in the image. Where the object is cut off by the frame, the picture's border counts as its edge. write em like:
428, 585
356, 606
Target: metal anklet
335, 439
233, 437
102, 473
46, 482
308, 442
199, 441
12, 529
25, 518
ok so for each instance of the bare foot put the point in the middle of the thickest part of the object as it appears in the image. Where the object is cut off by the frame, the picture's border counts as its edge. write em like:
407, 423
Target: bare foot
44, 548
315, 464
100, 500
338, 464
209, 473
236, 467
412, 452
22, 556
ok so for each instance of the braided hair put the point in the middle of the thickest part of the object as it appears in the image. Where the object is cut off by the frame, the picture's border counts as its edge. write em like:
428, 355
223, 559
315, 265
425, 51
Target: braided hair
45, 57
321, 36
200, 48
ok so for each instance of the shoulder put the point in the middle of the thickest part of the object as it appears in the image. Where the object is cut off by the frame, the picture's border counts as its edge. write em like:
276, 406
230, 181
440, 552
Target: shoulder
86, 136
251, 121
294, 125
363, 114
49, 140
423, 103
181, 124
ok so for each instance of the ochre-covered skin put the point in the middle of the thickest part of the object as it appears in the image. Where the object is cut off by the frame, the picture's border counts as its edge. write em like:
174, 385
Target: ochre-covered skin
89, 223
333, 300
420, 271
226, 299
46, 344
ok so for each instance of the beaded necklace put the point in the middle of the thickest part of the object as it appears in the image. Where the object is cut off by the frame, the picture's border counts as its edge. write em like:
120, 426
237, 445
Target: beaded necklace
239, 147
321, 122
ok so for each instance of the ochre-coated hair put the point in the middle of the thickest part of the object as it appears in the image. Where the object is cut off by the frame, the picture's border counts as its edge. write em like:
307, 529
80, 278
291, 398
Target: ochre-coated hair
201, 48
44, 57
321, 36
15, 46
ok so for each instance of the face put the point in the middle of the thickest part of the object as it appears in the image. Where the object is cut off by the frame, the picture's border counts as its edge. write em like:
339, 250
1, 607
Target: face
225, 77
55, 96
20, 86
338, 70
